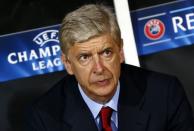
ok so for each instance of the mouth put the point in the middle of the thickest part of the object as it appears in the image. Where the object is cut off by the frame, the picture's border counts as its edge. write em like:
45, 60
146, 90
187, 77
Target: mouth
102, 82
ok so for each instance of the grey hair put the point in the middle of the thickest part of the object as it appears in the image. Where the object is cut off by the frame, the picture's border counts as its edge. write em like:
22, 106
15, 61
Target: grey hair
87, 22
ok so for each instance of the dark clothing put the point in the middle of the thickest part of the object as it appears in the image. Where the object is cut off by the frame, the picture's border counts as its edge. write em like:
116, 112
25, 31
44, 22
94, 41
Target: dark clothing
148, 101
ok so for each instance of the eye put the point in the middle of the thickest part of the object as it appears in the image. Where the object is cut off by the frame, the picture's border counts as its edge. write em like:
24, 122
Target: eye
84, 58
107, 52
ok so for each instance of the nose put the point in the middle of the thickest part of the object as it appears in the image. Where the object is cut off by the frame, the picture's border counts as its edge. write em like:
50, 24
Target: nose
98, 65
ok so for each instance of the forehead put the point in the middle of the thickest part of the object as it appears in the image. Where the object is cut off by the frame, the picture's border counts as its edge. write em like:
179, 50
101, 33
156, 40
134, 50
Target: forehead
98, 43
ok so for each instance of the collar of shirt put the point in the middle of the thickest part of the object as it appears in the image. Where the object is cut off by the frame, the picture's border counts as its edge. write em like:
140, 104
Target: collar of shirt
96, 107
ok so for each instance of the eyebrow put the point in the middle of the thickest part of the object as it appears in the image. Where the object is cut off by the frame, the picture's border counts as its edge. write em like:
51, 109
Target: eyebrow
83, 53
86, 52
107, 48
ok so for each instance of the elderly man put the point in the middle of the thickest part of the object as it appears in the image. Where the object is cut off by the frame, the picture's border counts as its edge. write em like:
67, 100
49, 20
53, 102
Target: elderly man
100, 93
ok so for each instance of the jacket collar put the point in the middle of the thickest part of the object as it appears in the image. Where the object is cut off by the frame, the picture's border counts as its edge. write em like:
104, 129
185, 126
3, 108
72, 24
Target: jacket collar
76, 112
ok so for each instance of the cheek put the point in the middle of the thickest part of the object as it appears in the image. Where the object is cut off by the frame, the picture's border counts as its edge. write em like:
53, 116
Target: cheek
82, 74
114, 63
114, 67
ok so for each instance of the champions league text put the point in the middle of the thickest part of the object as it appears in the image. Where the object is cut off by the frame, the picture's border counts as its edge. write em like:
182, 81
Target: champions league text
41, 58
36, 57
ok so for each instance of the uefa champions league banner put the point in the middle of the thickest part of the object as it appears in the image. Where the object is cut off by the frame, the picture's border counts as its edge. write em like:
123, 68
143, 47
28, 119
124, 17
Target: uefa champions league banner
29, 53
162, 27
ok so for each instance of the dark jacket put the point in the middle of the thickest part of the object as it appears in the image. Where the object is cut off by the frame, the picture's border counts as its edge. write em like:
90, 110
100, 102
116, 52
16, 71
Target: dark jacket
148, 101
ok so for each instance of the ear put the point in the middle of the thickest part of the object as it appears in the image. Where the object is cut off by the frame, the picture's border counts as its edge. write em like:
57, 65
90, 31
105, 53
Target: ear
121, 52
67, 64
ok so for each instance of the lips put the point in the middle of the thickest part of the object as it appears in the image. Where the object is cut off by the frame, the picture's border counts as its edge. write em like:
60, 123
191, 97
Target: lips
102, 82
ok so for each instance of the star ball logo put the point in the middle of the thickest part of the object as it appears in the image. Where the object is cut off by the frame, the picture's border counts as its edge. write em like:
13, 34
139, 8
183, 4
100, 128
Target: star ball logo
154, 29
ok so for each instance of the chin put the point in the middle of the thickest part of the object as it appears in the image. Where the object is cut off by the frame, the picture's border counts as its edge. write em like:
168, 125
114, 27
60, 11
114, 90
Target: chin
106, 92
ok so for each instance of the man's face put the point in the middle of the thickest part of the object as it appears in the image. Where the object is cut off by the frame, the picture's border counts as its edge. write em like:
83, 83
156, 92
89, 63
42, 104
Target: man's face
96, 65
